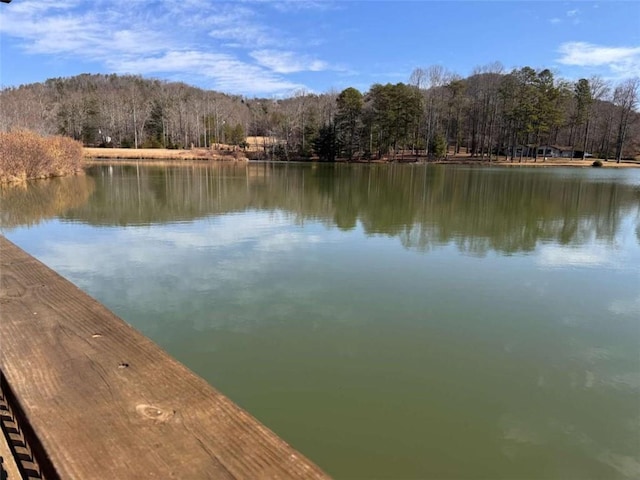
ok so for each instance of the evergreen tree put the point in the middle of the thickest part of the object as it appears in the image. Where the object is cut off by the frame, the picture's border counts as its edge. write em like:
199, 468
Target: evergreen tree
326, 144
349, 121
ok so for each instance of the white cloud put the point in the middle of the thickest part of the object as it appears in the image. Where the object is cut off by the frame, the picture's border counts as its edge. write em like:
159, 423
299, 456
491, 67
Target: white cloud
228, 73
139, 41
57, 33
622, 61
236, 26
191, 39
574, 15
586, 54
244, 36
287, 62
555, 20
31, 7
297, 5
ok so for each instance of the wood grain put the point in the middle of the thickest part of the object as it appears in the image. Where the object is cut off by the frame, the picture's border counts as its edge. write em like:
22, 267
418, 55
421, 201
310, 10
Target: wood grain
106, 402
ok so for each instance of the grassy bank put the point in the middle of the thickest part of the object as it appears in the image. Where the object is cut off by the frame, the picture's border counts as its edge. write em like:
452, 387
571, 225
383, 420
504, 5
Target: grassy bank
530, 162
224, 154
25, 155
160, 156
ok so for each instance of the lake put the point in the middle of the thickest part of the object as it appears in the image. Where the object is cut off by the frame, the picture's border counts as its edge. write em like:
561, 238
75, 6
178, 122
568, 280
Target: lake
388, 321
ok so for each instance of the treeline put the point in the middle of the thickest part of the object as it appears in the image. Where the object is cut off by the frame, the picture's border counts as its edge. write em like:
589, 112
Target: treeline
486, 114
124, 111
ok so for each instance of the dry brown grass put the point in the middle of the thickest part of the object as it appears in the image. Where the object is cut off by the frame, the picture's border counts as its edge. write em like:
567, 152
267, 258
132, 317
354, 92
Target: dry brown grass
228, 153
25, 155
258, 144
225, 154
540, 162
563, 162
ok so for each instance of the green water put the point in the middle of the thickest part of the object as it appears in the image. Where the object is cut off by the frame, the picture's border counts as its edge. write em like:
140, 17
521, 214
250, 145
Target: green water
389, 321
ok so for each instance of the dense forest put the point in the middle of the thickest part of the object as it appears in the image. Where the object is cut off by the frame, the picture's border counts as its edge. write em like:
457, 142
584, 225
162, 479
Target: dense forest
434, 114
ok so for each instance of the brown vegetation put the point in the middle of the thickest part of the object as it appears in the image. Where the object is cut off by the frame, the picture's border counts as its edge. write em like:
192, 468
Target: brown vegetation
222, 154
256, 148
505, 161
26, 155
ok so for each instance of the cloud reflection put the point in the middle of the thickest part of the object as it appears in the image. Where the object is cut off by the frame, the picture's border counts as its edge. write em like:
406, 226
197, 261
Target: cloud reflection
556, 256
626, 307
239, 259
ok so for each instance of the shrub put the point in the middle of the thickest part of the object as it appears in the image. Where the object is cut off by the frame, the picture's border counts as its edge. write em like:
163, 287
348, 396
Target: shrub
597, 163
438, 146
25, 155
255, 155
152, 143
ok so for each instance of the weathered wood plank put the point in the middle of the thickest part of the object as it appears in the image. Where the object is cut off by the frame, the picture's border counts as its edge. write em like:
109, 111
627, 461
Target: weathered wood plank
106, 402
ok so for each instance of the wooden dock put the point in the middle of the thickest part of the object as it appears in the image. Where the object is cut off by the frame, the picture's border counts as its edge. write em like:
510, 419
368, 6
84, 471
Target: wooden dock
86, 396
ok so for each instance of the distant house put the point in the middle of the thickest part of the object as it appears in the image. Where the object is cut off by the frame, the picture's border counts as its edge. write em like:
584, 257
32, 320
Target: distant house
556, 151
549, 151
521, 151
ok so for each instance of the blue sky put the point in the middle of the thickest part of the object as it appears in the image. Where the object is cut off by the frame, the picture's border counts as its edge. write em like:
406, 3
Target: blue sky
274, 48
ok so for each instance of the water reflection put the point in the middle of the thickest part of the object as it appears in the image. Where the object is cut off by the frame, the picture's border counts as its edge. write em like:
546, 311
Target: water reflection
340, 305
29, 204
503, 210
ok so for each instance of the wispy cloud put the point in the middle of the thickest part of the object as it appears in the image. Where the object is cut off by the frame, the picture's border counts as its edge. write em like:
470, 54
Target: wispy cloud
287, 62
237, 26
30, 7
555, 20
297, 5
621, 61
227, 72
227, 45
245, 36
574, 16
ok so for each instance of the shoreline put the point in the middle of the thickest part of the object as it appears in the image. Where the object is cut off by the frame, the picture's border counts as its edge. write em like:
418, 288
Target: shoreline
550, 162
152, 156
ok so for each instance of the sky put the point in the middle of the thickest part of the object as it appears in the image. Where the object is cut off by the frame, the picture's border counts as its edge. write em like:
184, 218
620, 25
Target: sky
272, 48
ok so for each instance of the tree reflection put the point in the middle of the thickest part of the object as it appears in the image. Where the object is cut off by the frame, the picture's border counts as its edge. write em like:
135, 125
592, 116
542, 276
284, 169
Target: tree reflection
29, 204
478, 210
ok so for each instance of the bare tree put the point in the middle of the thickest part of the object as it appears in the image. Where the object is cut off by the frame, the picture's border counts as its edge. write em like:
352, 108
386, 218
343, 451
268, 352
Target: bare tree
625, 96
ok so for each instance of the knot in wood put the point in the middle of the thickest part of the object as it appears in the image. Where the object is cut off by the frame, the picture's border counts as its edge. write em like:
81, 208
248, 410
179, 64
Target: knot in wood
154, 413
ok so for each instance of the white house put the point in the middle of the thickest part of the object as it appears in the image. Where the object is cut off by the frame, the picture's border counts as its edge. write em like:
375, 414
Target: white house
556, 151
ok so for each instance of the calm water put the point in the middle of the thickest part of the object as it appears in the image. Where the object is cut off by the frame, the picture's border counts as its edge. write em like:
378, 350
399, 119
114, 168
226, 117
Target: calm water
388, 321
